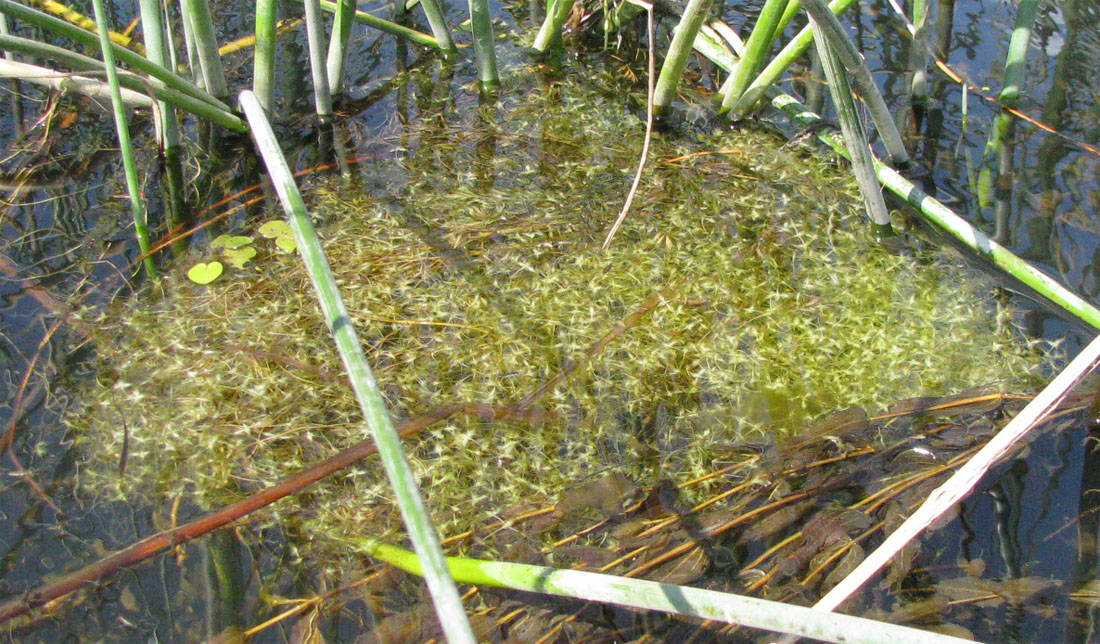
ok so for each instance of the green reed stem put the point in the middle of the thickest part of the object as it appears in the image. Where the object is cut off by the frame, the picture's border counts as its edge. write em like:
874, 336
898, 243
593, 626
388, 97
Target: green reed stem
338, 45
386, 26
315, 35
1016, 61
64, 82
830, 29
945, 220
173, 97
137, 208
433, 10
16, 92
550, 30
5, 30
918, 55
789, 12
121, 54
448, 606
756, 47
189, 48
263, 56
683, 38
850, 125
769, 76
197, 12
152, 31
1015, 67
726, 608
157, 49
484, 44
715, 48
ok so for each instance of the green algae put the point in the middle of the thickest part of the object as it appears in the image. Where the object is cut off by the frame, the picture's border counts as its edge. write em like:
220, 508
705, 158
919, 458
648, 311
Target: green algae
475, 277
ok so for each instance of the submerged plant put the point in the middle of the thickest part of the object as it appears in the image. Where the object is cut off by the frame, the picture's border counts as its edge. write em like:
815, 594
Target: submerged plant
475, 278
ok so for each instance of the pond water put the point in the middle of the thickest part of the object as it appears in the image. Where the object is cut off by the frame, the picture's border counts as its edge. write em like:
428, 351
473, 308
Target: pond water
64, 237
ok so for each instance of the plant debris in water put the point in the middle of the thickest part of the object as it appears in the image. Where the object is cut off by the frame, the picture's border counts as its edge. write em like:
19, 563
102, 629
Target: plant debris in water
785, 522
468, 254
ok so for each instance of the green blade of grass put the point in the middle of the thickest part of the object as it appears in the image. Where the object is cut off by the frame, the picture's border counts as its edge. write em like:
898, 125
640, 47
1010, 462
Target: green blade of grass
667, 598
343, 14
448, 606
1016, 61
678, 51
386, 26
121, 54
263, 56
315, 33
769, 76
829, 28
197, 13
484, 44
757, 45
79, 62
550, 31
137, 205
854, 135
437, 20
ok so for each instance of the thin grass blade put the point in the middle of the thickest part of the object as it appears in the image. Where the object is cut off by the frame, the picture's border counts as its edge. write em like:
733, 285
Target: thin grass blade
121, 54
683, 38
263, 59
433, 10
315, 35
344, 12
845, 51
448, 606
721, 607
79, 62
549, 33
756, 47
197, 13
156, 48
386, 26
137, 205
484, 44
769, 76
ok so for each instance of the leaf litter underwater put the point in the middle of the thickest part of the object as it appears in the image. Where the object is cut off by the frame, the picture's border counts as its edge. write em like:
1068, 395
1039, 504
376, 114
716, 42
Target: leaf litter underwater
741, 300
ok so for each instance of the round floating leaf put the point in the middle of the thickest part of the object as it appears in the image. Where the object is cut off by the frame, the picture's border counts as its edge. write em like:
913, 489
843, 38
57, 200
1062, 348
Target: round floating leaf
203, 273
286, 243
275, 228
238, 257
230, 241
237, 241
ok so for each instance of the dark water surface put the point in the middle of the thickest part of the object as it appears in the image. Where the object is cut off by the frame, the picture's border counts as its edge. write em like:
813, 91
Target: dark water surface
69, 236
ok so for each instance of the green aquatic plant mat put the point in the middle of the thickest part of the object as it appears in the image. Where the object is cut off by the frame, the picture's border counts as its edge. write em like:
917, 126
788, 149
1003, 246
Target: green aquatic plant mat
474, 278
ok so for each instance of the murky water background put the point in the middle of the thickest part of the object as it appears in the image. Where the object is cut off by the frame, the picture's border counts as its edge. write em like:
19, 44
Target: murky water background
1021, 525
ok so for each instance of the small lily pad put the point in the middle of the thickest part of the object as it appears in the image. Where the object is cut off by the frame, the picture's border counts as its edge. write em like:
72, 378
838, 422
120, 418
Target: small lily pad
238, 257
230, 241
275, 228
279, 230
204, 273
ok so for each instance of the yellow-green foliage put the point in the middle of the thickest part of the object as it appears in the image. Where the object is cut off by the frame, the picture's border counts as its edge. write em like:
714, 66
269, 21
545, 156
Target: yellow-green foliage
474, 278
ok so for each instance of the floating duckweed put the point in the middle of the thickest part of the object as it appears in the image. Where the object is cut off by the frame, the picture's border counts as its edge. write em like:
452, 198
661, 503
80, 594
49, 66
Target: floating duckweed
474, 277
